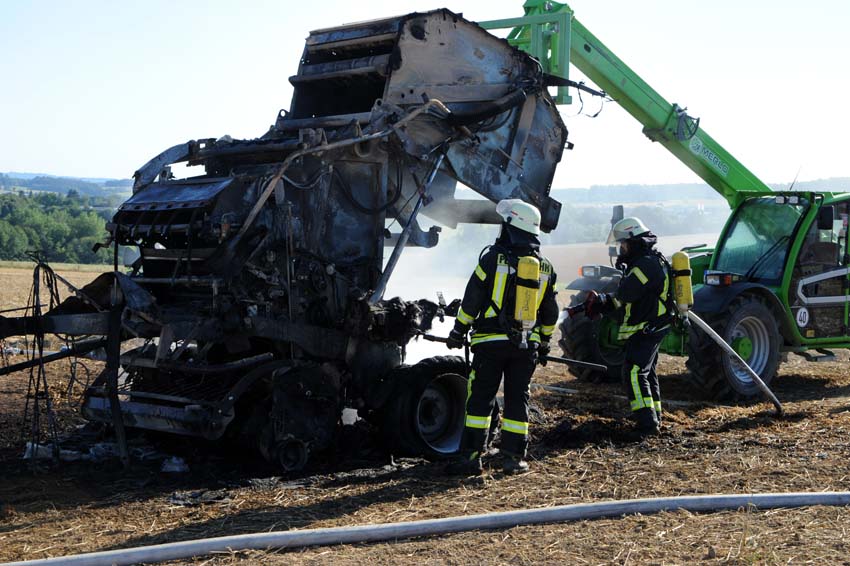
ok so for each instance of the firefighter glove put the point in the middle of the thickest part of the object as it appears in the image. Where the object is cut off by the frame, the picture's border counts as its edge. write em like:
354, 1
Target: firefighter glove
455, 339
542, 352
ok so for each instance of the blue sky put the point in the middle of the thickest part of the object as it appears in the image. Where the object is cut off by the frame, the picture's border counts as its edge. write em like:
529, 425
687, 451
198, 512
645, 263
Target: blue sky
96, 88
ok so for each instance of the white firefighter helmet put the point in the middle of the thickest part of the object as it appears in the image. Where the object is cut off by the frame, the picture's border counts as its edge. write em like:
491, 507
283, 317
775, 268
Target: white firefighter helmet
520, 214
625, 229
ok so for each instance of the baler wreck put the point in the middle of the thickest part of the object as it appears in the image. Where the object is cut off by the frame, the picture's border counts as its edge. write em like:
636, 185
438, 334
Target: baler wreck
258, 288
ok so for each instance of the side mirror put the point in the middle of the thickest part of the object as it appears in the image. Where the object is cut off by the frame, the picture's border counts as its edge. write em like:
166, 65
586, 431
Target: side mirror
826, 215
617, 214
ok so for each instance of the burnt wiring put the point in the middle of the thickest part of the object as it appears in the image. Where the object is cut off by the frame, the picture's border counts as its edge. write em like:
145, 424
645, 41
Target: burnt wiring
580, 86
346, 190
312, 182
38, 404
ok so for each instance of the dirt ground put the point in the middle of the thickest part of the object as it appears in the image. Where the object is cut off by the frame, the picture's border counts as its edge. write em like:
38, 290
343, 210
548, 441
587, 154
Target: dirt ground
582, 451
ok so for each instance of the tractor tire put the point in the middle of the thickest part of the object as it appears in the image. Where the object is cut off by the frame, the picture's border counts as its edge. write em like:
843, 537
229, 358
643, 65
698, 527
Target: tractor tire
426, 414
750, 323
580, 340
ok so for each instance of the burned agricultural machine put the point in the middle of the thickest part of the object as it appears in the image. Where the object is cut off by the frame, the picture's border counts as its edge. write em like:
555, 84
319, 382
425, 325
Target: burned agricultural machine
255, 305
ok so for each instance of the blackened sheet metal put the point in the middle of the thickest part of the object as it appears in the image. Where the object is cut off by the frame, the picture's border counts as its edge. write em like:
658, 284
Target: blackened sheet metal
353, 31
191, 420
176, 195
150, 170
325, 342
73, 324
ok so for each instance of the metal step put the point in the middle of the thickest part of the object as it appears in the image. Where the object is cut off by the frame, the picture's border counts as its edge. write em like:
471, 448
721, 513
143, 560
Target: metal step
821, 356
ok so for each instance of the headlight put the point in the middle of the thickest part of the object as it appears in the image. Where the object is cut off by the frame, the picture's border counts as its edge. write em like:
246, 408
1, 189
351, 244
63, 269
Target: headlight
719, 279
589, 271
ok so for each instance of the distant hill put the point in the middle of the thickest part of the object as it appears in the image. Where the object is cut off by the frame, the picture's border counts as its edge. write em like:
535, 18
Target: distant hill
625, 194
94, 187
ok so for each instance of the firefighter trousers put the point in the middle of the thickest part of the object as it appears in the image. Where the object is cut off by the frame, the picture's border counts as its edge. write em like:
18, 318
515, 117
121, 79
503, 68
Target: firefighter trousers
640, 379
492, 361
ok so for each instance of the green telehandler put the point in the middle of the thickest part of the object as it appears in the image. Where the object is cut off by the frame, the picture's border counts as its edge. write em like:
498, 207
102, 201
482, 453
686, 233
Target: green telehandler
778, 279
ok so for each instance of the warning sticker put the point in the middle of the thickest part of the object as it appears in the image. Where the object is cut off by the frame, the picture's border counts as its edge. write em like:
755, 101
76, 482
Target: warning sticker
803, 317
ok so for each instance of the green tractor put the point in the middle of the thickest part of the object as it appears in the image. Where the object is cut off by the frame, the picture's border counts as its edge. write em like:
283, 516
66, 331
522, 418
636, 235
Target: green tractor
777, 281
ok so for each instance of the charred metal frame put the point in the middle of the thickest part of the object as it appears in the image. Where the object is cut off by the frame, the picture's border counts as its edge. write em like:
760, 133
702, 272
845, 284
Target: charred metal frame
273, 260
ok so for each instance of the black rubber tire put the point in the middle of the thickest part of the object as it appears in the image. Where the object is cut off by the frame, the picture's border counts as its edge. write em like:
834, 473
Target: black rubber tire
712, 368
580, 341
425, 416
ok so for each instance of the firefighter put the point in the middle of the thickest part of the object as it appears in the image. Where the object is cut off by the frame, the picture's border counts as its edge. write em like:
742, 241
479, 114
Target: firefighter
502, 345
644, 295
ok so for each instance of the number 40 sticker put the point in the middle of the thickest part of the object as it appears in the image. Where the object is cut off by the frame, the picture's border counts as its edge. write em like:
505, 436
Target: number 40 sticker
803, 317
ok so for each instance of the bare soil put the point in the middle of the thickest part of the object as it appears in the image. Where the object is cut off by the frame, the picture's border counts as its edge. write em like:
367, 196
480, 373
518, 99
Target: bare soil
582, 450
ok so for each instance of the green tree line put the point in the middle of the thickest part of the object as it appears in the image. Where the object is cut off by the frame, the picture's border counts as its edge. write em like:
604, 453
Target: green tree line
58, 228
62, 185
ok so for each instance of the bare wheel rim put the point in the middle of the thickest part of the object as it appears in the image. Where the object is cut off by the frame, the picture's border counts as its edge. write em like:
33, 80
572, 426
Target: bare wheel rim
440, 413
754, 329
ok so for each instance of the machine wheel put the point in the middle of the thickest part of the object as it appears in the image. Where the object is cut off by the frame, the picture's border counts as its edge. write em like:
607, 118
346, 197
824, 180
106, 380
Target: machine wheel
750, 327
586, 340
426, 416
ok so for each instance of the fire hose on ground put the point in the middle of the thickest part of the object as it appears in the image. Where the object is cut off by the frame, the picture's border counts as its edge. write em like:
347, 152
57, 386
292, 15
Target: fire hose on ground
433, 527
556, 359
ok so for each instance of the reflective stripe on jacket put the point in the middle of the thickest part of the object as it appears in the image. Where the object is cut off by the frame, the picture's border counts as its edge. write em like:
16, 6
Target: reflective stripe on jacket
643, 294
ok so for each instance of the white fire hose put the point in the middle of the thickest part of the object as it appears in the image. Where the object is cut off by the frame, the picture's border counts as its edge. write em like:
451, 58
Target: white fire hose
433, 527
731, 351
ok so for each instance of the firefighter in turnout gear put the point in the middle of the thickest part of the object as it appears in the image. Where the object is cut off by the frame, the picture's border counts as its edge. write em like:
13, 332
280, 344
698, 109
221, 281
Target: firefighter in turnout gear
509, 304
644, 294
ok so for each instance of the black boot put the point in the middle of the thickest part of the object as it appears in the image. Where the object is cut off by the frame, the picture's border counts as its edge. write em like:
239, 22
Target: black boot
647, 422
467, 464
514, 465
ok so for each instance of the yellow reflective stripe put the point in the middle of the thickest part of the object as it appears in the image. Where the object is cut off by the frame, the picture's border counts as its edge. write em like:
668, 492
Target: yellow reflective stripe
544, 282
490, 313
639, 402
662, 307
547, 330
657, 405
502, 270
516, 427
477, 422
481, 338
636, 271
463, 317
637, 396
535, 337
480, 273
626, 332
469, 385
